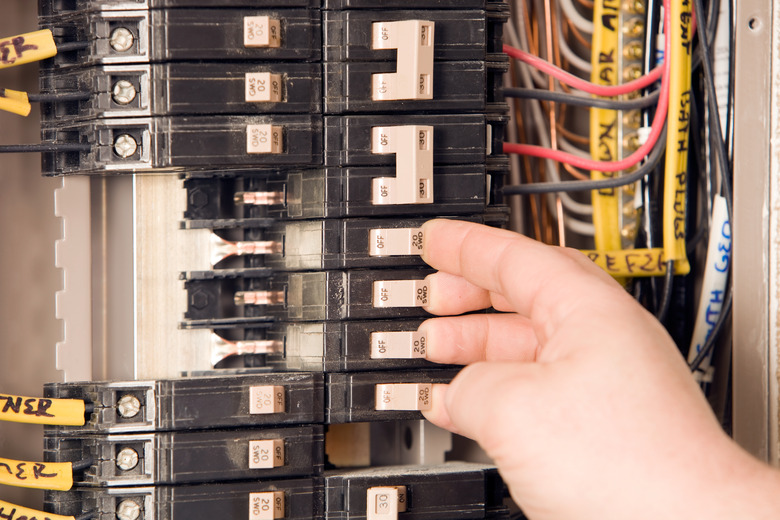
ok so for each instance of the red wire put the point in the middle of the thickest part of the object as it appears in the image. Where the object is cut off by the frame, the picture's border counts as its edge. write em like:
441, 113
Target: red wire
586, 86
614, 166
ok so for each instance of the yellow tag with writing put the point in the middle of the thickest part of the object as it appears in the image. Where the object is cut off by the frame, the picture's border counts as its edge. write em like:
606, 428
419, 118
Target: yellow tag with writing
26, 48
632, 263
604, 124
15, 102
8, 510
57, 476
34, 410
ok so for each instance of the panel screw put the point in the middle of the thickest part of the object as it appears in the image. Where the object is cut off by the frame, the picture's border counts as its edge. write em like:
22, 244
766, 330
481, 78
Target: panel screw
121, 39
127, 459
124, 92
128, 510
128, 406
125, 146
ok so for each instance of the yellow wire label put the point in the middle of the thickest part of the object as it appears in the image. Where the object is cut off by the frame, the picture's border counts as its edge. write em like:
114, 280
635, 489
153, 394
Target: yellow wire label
676, 174
33, 410
604, 123
38, 475
26, 48
10, 511
633, 263
15, 102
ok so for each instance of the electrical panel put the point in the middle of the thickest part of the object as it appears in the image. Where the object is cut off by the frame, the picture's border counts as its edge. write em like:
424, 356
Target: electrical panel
242, 187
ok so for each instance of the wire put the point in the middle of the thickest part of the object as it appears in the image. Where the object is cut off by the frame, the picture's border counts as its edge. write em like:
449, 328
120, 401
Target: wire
45, 147
53, 98
677, 140
575, 17
570, 186
9, 510
72, 46
56, 476
666, 296
34, 410
82, 465
631, 160
586, 86
725, 164
526, 77
582, 101
573, 58
710, 343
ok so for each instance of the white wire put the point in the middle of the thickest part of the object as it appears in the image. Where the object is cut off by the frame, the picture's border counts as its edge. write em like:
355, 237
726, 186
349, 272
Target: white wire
540, 126
568, 146
520, 40
515, 203
574, 59
579, 227
575, 17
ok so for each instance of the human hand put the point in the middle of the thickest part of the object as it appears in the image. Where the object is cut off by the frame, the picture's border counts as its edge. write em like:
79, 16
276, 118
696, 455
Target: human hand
577, 393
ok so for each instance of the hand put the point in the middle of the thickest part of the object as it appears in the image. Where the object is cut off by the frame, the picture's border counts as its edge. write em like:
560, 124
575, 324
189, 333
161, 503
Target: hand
576, 392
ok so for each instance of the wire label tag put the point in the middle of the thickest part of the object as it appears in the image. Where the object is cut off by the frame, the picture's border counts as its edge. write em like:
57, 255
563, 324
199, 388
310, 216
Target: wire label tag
36, 475
26, 48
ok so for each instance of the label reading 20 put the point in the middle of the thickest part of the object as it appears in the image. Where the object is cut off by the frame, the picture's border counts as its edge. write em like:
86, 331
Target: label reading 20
266, 400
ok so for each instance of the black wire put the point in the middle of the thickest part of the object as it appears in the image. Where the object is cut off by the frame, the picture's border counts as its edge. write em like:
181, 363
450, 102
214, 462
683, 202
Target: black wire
89, 408
568, 186
725, 165
52, 98
571, 99
45, 147
666, 296
714, 115
72, 46
82, 465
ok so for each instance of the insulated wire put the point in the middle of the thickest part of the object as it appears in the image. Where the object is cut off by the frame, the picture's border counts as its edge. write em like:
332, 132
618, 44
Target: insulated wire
583, 101
45, 147
634, 158
525, 75
676, 165
570, 186
71, 46
572, 57
579, 83
725, 164
576, 18
52, 98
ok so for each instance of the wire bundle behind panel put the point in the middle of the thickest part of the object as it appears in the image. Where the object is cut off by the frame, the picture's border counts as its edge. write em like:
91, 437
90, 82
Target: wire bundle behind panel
656, 191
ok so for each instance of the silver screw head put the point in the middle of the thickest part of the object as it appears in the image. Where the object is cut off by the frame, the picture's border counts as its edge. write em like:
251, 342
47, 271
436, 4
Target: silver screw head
123, 92
128, 510
125, 146
121, 39
128, 406
127, 459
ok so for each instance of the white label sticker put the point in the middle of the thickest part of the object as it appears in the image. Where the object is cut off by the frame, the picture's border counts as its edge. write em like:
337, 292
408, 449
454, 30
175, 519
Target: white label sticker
261, 31
266, 400
266, 454
263, 139
263, 87
266, 506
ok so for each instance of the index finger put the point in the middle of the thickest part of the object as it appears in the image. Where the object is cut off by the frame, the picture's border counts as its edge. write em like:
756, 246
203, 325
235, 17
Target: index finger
545, 283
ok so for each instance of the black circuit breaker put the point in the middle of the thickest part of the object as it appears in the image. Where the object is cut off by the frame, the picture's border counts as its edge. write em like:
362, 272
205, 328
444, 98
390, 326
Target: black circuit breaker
312, 140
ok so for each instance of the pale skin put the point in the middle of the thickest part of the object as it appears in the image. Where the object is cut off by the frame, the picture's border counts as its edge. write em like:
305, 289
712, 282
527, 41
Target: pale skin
576, 392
